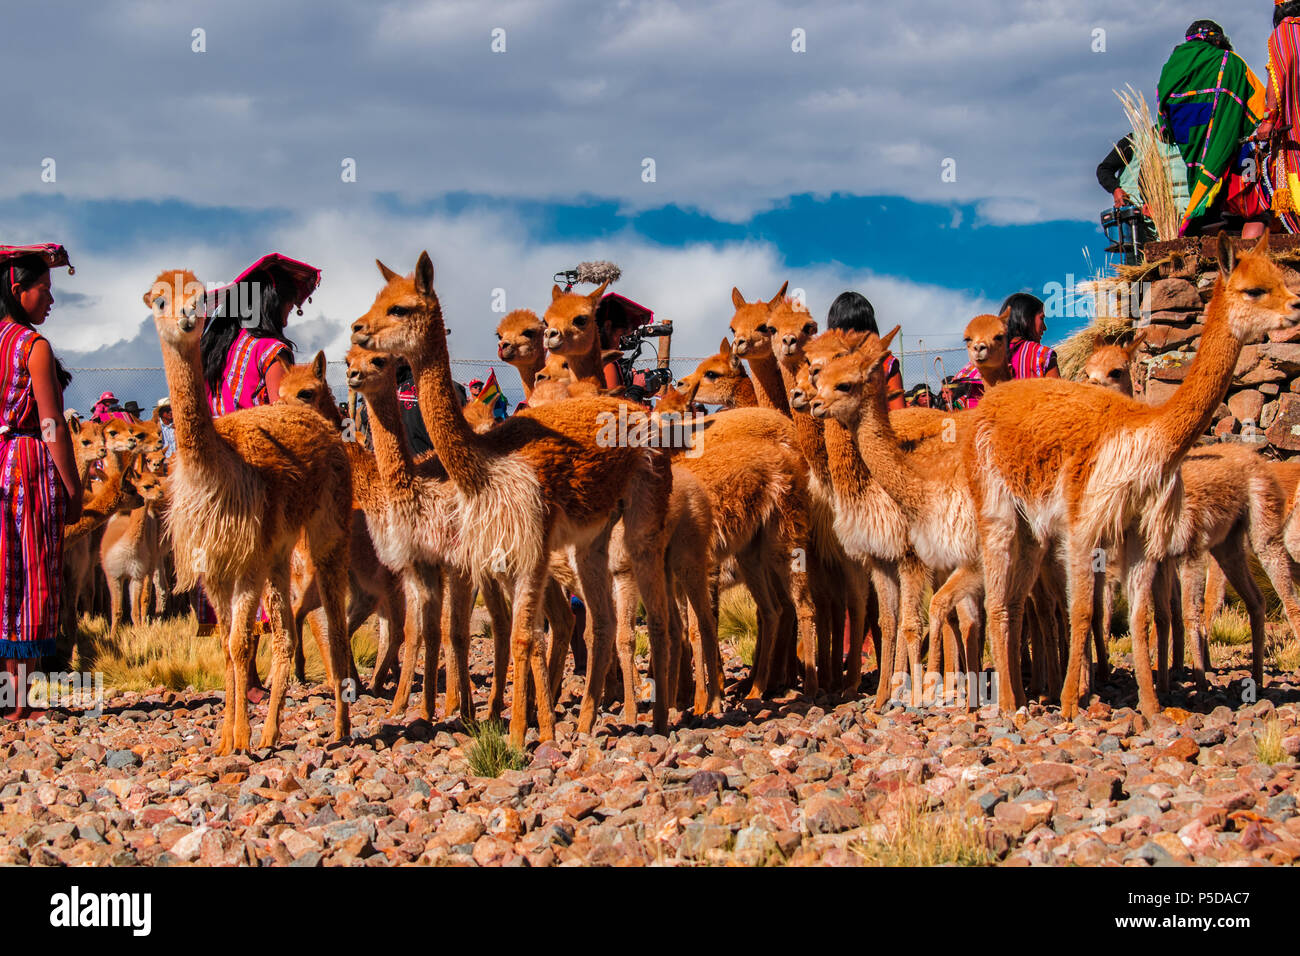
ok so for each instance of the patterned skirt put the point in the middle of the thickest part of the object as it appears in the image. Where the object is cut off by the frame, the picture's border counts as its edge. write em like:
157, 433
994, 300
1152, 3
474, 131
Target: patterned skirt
32, 505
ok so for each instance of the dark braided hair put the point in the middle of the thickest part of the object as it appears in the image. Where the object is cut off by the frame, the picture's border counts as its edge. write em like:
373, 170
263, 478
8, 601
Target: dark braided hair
221, 331
25, 271
1283, 10
1210, 32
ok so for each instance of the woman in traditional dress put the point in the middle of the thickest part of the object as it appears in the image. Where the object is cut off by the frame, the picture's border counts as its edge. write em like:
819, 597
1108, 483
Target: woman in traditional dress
39, 487
245, 350
853, 312
1026, 326
1210, 103
1282, 102
246, 353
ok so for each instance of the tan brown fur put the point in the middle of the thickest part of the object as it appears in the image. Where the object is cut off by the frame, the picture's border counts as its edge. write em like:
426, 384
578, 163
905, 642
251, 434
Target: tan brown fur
1050, 459
538, 483
245, 487
1111, 364
571, 331
520, 341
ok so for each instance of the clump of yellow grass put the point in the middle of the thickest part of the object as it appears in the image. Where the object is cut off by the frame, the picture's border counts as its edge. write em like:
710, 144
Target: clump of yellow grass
1153, 176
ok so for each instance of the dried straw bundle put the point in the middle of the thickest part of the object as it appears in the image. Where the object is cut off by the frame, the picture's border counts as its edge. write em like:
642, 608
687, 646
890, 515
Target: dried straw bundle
1153, 178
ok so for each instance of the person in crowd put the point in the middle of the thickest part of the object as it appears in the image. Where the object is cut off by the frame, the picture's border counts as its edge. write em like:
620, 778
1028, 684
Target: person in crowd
1210, 103
162, 413
408, 401
107, 409
245, 354
853, 312
1026, 325
39, 486
1119, 175
132, 408
1282, 103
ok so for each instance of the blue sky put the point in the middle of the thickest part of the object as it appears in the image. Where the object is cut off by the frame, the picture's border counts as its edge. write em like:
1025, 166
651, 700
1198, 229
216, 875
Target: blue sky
818, 165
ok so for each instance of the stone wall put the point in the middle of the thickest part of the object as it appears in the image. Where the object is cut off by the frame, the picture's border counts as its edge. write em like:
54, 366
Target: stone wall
1263, 402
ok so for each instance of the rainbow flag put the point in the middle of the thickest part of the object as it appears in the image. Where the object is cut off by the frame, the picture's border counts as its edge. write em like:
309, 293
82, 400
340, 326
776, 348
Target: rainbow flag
490, 393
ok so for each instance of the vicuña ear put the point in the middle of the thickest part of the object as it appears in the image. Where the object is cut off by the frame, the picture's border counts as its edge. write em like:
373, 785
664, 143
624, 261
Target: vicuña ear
596, 296
318, 365
388, 274
1227, 256
1139, 337
1261, 247
884, 343
424, 275
1098, 340
556, 292
737, 299
74, 425
773, 302
725, 347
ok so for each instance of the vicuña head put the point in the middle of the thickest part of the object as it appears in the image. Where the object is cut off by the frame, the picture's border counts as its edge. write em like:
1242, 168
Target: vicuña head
751, 326
986, 344
721, 379
87, 440
556, 369
403, 313
1254, 292
849, 380
792, 327
175, 299
1111, 365
520, 337
123, 437
369, 372
571, 321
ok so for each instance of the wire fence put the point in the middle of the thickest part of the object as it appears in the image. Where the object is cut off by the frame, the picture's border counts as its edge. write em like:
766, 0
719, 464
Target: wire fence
146, 384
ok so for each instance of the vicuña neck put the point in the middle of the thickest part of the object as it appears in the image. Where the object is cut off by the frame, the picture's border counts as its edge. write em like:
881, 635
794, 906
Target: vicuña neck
586, 367
1187, 414
770, 386
809, 433
878, 445
388, 437
849, 474
459, 448
528, 374
196, 437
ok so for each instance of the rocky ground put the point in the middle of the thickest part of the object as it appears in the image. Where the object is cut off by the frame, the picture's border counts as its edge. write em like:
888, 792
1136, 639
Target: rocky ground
1210, 781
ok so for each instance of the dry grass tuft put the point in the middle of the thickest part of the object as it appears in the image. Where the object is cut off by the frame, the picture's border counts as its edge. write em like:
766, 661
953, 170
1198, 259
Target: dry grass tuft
167, 653
921, 838
489, 752
1153, 180
738, 622
1268, 745
1230, 626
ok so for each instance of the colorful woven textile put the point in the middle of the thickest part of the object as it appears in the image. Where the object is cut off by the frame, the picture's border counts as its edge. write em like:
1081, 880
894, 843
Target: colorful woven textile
1031, 360
32, 505
247, 362
1209, 101
1284, 80
975, 386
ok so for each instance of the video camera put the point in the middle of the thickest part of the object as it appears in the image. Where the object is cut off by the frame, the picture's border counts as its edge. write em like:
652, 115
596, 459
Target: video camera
644, 382
1130, 231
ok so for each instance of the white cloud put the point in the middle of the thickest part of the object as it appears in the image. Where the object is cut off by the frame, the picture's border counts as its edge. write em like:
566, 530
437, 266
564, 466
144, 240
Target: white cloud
475, 253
